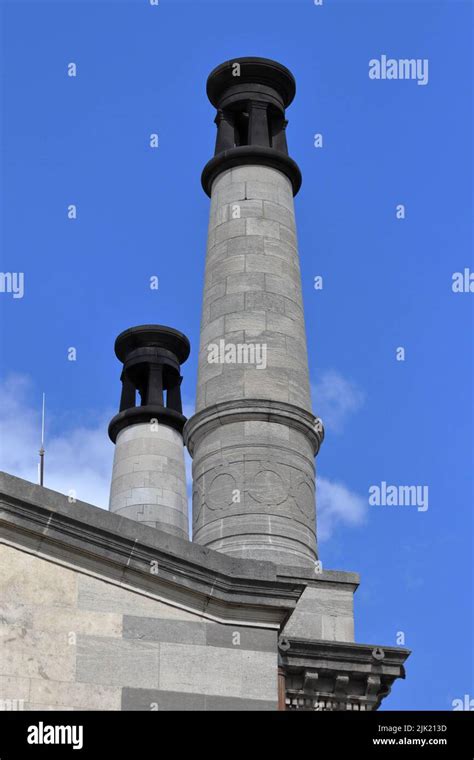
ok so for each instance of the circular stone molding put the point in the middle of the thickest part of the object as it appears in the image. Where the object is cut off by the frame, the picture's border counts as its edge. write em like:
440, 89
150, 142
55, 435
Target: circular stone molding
246, 410
268, 487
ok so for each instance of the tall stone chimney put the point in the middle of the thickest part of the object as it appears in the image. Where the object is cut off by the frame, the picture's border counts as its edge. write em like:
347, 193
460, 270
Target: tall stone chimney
253, 438
148, 479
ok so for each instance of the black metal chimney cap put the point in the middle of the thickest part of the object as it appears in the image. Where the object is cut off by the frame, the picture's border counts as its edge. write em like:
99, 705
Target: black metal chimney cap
149, 336
255, 70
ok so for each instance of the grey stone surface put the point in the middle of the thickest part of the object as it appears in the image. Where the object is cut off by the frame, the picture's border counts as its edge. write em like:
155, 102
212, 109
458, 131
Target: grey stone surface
223, 269
149, 478
117, 662
228, 704
253, 639
245, 245
152, 629
95, 595
57, 695
79, 621
254, 482
29, 653
278, 213
263, 228
247, 237
199, 669
259, 267
230, 229
151, 700
245, 282
202, 633
323, 613
156, 700
82, 653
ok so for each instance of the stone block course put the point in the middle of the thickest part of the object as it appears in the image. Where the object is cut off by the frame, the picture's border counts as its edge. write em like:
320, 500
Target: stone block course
14, 688
199, 669
248, 639
149, 699
263, 227
267, 264
70, 620
36, 654
216, 391
278, 213
226, 267
245, 282
261, 301
252, 324
231, 229
117, 662
23, 577
288, 235
260, 190
229, 304
243, 245
153, 629
77, 696
230, 193
246, 209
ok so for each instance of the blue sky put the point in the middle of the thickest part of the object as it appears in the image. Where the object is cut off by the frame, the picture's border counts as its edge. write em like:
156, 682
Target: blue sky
387, 282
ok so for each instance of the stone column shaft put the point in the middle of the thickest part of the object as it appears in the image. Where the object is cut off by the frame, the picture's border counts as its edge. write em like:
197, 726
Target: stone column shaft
253, 473
253, 437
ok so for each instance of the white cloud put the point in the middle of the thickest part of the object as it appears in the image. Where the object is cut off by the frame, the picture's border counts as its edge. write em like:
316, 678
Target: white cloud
81, 457
337, 505
335, 399
78, 459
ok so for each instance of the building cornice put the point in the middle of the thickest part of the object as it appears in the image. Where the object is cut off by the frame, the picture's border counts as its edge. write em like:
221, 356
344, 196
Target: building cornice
333, 675
96, 541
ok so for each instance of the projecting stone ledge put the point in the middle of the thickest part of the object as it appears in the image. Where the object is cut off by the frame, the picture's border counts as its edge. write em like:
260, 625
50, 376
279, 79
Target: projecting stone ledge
333, 675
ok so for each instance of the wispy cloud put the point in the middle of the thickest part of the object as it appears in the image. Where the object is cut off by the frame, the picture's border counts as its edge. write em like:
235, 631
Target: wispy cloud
335, 398
337, 505
78, 459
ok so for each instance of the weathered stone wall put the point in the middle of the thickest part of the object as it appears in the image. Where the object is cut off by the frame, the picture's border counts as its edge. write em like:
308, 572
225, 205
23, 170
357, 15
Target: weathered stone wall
73, 641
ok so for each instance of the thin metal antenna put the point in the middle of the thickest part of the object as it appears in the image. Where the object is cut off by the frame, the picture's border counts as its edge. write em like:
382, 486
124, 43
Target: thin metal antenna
41, 451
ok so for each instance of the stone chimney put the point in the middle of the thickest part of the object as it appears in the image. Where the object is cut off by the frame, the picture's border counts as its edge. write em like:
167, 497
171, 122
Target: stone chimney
253, 438
148, 479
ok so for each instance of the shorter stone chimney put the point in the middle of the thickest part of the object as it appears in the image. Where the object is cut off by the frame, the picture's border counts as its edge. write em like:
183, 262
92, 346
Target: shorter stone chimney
148, 479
